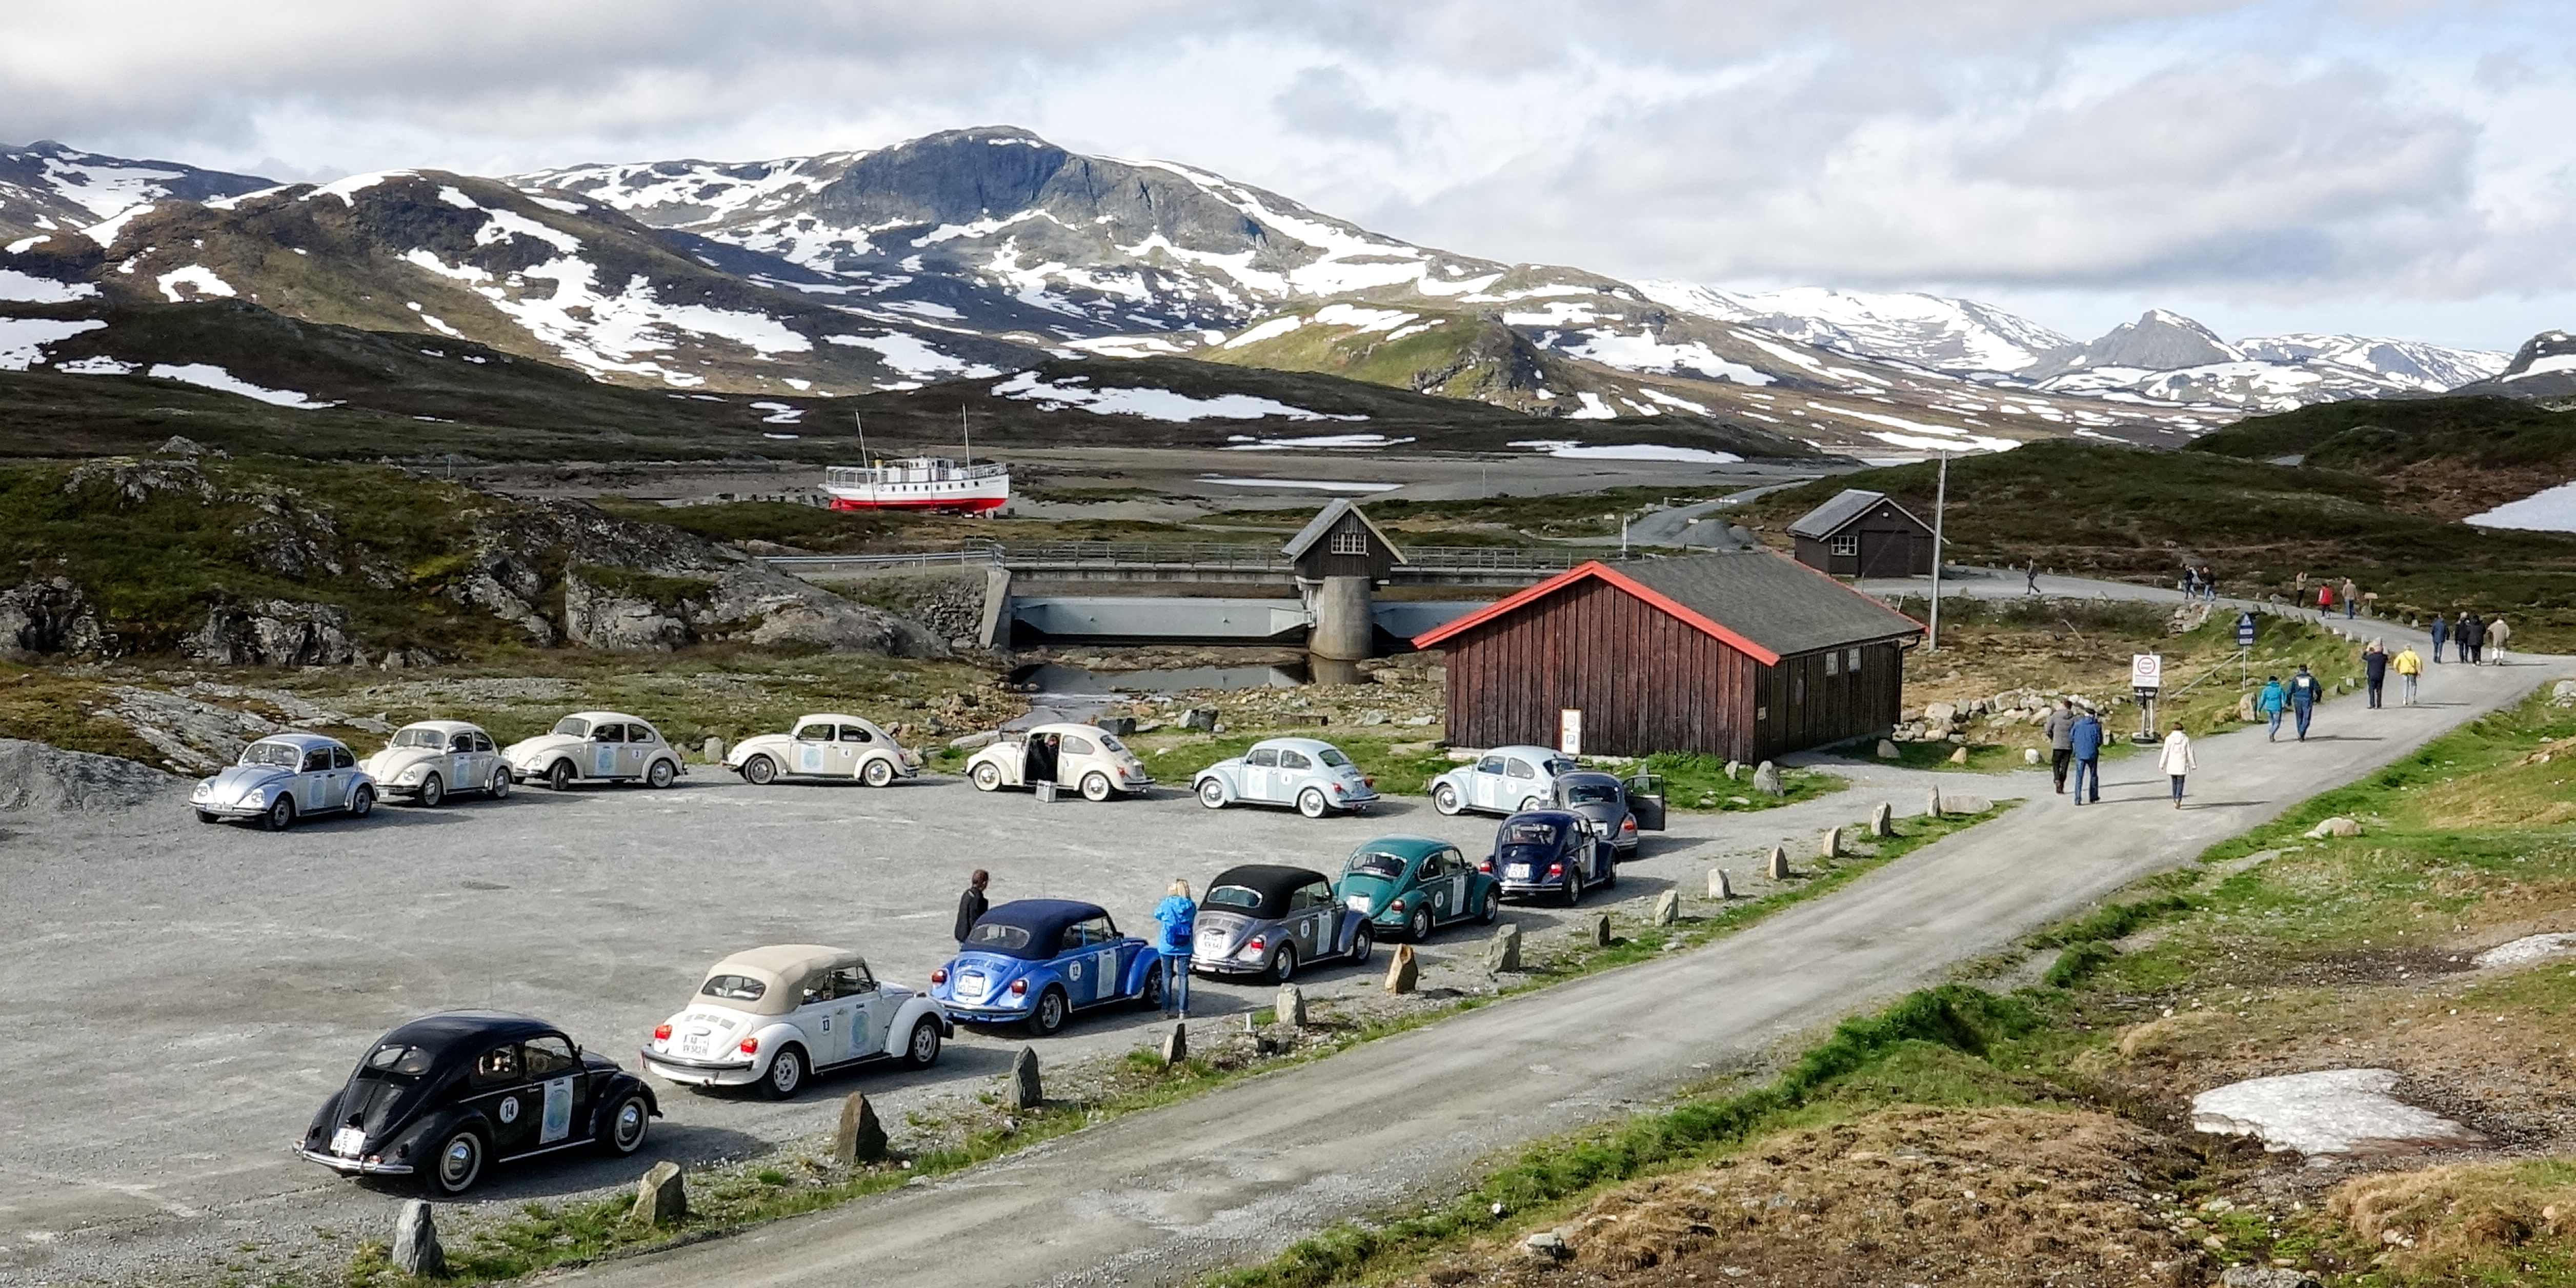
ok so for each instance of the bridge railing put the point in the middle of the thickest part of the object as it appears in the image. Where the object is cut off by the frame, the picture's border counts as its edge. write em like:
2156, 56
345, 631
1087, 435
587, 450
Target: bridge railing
1499, 558
1171, 554
1192, 554
826, 565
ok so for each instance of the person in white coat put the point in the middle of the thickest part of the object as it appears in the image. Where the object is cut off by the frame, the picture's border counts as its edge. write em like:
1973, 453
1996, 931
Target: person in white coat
2177, 761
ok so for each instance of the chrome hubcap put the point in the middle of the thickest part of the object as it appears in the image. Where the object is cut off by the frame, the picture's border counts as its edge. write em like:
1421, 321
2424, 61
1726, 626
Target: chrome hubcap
630, 1123
458, 1162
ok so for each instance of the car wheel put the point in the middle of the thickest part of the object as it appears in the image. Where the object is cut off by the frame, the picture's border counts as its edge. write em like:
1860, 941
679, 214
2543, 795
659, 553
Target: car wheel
1573, 888
432, 792
1048, 1015
280, 815
499, 788
786, 1074
987, 777
362, 802
622, 1131
560, 776
1444, 798
1212, 793
877, 774
1095, 787
1492, 909
1529, 803
1311, 803
922, 1050
1283, 967
458, 1164
1150, 997
760, 771
1418, 927
1610, 878
1362, 944
209, 816
662, 774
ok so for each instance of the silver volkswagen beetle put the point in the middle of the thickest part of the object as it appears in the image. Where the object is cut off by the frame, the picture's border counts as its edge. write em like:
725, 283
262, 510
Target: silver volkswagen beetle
1309, 773
284, 777
1264, 920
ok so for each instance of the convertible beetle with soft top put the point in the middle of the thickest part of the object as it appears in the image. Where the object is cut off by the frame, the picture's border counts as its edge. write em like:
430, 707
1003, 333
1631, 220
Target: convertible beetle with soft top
771, 1017
1037, 961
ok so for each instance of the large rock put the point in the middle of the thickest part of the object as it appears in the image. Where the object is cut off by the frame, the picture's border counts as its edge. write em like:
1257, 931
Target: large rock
48, 616
1766, 779
1830, 846
1200, 719
1668, 908
273, 632
1719, 886
861, 1138
1882, 821
416, 1250
1025, 1093
660, 1198
1940, 715
608, 615
1403, 973
1503, 951
1596, 929
1290, 1008
1778, 868
1964, 804
1887, 750
2336, 826
1176, 1044
38, 778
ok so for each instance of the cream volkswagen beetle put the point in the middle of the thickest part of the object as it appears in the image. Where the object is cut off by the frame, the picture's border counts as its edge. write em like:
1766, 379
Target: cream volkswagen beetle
773, 1016
1079, 755
596, 747
824, 746
429, 760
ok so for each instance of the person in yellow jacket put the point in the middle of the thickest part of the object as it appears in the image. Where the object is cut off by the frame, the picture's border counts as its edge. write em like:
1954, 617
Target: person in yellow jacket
2408, 666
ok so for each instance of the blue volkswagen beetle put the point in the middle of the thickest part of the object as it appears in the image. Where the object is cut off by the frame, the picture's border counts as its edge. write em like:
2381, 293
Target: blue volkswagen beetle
1552, 852
1037, 961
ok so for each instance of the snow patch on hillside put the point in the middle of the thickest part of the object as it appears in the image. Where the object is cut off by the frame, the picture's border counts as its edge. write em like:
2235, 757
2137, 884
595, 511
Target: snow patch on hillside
26, 288
23, 340
914, 357
2549, 510
206, 375
200, 281
1646, 353
1572, 450
1152, 404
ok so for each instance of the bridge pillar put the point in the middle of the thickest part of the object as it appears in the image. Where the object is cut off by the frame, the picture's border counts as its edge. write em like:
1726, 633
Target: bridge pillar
1345, 625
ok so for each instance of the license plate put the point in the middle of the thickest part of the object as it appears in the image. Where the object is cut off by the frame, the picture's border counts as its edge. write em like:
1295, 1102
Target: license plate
347, 1141
1520, 871
1358, 903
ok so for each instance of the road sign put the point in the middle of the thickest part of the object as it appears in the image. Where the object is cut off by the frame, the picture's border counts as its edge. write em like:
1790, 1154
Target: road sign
1569, 731
2245, 630
2146, 671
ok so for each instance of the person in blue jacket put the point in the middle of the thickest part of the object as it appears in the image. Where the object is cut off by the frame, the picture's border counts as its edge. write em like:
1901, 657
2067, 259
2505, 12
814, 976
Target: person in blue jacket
2304, 691
2270, 703
2088, 755
1173, 918
2441, 634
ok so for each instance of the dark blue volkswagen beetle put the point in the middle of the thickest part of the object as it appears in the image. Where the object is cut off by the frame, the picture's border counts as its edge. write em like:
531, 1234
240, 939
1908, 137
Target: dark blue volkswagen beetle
1551, 852
1037, 961
444, 1096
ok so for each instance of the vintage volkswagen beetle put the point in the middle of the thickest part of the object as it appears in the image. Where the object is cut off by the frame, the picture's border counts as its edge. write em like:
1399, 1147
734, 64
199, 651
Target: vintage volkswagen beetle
446, 1095
596, 747
1551, 851
1505, 780
284, 777
1409, 885
1621, 809
428, 760
1266, 920
771, 1016
1037, 961
1077, 754
1309, 773
824, 746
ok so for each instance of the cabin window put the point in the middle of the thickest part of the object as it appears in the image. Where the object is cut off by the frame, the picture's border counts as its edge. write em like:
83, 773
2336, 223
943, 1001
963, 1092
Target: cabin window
1350, 541
1847, 545
1833, 664
1851, 661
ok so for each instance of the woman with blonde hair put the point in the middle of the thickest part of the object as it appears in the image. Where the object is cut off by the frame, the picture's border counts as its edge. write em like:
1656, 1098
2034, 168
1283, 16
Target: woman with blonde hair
2176, 760
1173, 918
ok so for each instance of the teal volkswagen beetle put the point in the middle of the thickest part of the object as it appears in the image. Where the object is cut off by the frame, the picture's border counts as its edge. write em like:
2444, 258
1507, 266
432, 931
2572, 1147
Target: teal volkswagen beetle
1409, 885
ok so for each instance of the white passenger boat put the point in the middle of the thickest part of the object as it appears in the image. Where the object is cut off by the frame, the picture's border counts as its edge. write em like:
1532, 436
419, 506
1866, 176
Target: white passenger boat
919, 483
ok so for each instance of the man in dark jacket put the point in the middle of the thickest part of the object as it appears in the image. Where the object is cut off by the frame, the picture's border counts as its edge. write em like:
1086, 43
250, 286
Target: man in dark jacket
2374, 667
2304, 692
2473, 637
2061, 742
2084, 739
2441, 634
971, 905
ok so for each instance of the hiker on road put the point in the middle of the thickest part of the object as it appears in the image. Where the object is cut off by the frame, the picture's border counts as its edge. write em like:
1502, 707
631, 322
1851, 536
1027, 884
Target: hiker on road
2473, 636
2030, 577
2410, 666
2325, 599
2085, 739
2441, 634
2304, 692
2374, 667
2497, 634
2351, 598
2176, 760
2272, 701
2061, 742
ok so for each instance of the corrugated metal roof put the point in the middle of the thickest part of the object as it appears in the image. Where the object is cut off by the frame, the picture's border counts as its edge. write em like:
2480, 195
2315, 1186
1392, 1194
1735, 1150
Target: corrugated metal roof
1323, 522
1776, 602
1829, 518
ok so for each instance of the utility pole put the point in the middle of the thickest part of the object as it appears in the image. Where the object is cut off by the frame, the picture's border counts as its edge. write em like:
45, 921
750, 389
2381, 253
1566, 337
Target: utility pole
1940, 502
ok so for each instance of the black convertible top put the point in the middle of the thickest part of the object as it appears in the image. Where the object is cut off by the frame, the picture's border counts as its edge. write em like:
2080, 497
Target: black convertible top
451, 1034
1273, 882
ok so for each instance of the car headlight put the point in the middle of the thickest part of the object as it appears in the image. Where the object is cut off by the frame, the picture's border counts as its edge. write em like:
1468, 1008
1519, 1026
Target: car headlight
413, 774
255, 797
203, 791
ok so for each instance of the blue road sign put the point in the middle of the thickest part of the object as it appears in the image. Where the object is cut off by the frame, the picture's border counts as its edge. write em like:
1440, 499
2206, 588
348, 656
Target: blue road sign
2245, 630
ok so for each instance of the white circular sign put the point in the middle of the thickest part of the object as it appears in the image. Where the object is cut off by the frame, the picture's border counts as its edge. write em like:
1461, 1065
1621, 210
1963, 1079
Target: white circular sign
510, 1109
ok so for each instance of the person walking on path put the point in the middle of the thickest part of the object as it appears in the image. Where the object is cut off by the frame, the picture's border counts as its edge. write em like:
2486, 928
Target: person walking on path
2325, 599
2030, 577
2473, 636
2410, 665
2176, 760
2374, 668
2497, 634
2441, 634
972, 904
2272, 701
2351, 598
2061, 742
2304, 691
2085, 740
1173, 919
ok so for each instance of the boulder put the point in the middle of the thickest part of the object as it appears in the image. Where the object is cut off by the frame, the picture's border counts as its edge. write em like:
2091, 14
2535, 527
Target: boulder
1547, 1245
861, 1138
416, 1251
974, 741
1882, 820
1940, 714
1932, 803
1176, 1044
273, 632
1290, 1009
1959, 757
1119, 725
47, 615
1503, 951
1718, 885
714, 751
1024, 1091
1778, 868
1766, 779
1887, 750
1403, 974
1963, 804
2030, 755
2336, 826
1831, 846
1597, 929
1734, 769
1668, 908
1202, 719
2563, 693
660, 1197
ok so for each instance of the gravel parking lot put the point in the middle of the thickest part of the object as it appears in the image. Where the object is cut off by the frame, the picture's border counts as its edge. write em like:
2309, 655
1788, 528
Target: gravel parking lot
180, 996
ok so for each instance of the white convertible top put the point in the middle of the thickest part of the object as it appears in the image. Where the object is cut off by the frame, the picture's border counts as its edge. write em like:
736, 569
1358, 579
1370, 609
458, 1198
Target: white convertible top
781, 969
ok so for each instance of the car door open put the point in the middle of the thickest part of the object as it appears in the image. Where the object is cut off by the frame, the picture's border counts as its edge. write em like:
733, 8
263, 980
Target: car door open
1646, 801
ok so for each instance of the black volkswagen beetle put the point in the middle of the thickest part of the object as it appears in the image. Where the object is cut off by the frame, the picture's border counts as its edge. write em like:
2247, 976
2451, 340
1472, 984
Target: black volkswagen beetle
1551, 851
1621, 809
442, 1096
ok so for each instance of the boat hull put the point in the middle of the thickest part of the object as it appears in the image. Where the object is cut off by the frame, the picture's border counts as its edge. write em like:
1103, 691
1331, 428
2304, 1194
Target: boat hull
959, 504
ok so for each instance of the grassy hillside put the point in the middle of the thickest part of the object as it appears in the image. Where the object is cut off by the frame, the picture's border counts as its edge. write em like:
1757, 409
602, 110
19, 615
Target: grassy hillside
2447, 457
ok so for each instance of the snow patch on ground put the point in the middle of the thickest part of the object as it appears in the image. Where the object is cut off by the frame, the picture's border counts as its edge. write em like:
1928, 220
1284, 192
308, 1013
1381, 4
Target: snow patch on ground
206, 375
2551, 510
98, 366
1571, 450
2333, 1111
1250, 443
2546, 365
1593, 408
23, 340
1646, 353
1128, 346
1152, 404
1271, 329
1301, 485
347, 189
2529, 948
197, 278
26, 288
913, 356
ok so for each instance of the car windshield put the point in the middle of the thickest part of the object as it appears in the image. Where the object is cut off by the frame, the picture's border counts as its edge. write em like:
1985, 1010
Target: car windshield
1528, 834
992, 936
420, 736
1376, 864
395, 1059
1333, 758
732, 988
1233, 896
284, 755
1591, 794
573, 727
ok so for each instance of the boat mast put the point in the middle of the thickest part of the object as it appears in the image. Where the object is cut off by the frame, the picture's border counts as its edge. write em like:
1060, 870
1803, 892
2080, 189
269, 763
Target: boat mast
967, 433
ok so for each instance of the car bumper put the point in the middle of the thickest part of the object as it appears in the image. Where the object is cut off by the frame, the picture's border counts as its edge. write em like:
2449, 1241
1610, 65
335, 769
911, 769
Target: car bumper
962, 1013
1227, 966
235, 810
354, 1166
699, 1073
1533, 887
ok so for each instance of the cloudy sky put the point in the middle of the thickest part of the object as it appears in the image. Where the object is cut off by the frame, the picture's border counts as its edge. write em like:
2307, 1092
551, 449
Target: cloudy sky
2397, 167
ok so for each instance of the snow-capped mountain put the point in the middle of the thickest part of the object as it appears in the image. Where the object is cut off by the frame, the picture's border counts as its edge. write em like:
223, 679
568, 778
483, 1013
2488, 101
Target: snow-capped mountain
1958, 336
47, 188
2545, 367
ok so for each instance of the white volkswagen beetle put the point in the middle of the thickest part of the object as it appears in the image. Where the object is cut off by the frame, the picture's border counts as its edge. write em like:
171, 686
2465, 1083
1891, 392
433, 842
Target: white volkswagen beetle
824, 746
1309, 773
596, 746
1505, 780
1086, 756
428, 760
773, 1016
284, 777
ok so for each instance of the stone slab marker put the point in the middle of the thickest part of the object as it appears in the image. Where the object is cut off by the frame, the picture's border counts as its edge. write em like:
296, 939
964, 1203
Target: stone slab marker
1932, 803
1882, 821
1766, 780
1402, 973
1503, 951
1718, 886
416, 1250
1887, 750
861, 1139
659, 1196
1668, 908
1025, 1091
1598, 930
1176, 1044
1778, 869
1831, 847
715, 751
1291, 1006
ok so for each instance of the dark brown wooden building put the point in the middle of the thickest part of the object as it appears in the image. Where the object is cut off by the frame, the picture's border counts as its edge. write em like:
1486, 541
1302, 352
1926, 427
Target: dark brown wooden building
1744, 655
1341, 542
1864, 534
